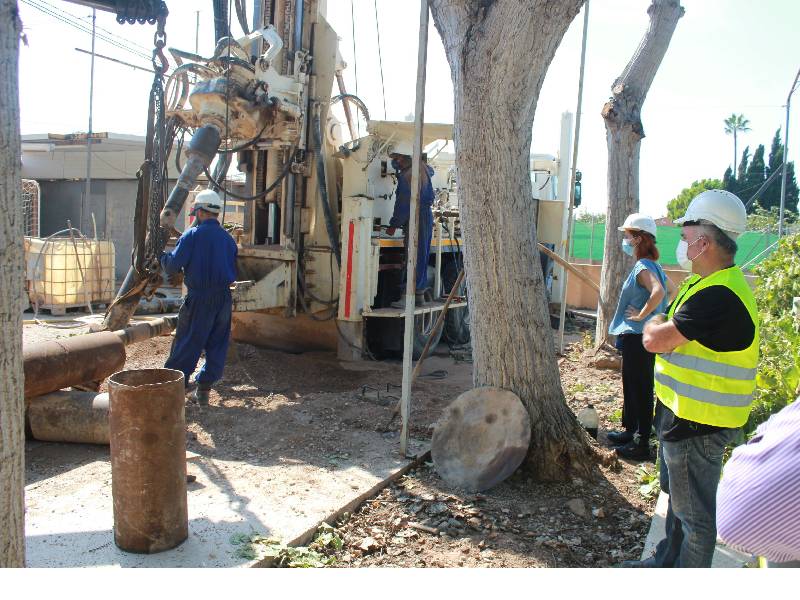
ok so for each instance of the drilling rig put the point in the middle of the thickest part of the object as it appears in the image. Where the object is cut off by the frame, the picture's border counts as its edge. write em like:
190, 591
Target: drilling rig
317, 269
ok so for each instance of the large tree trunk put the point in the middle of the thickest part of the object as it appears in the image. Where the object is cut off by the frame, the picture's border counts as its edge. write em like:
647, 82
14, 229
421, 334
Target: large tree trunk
624, 133
12, 433
499, 53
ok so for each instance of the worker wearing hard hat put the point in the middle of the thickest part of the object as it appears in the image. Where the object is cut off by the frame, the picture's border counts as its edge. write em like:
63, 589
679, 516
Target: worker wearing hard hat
644, 294
206, 254
705, 373
401, 163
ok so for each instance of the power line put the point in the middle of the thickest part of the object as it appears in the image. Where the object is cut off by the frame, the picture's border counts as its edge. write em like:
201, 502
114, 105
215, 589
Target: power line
380, 59
355, 59
115, 35
71, 20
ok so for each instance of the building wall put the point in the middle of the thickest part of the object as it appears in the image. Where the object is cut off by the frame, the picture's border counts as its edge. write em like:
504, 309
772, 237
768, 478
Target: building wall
112, 202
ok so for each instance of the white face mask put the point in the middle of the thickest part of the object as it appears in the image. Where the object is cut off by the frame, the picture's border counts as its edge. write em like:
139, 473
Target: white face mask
682, 254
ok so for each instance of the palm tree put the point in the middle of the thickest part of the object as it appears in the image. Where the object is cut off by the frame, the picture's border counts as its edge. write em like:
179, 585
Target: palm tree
734, 124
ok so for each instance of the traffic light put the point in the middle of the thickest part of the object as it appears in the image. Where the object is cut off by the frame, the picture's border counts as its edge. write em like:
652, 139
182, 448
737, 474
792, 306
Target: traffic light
577, 195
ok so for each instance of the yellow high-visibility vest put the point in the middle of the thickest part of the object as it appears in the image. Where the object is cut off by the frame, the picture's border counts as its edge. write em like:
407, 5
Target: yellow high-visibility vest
704, 386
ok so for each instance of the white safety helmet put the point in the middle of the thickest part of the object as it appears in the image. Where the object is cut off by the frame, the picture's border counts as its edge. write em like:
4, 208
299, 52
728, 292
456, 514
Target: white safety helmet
720, 207
208, 200
639, 222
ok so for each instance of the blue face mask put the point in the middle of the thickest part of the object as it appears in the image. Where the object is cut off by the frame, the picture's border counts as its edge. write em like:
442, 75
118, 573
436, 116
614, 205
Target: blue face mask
627, 247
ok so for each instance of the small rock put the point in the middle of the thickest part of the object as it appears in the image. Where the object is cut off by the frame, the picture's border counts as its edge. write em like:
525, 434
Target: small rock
598, 513
369, 544
437, 508
474, 522
577, 506
455, 523
505, 511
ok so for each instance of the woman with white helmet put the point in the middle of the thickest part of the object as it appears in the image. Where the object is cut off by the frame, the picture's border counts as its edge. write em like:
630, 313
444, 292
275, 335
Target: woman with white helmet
644, 294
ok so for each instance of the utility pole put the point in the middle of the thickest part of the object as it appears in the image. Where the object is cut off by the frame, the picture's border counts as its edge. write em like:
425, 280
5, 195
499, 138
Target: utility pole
563, 311
413, 234
786, 156
88, 191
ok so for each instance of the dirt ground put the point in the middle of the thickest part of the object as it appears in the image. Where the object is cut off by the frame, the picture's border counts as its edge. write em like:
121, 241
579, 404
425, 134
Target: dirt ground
423, 522
308, 408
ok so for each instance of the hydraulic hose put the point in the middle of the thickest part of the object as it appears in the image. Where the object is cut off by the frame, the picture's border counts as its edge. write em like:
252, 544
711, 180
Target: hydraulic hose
322, 182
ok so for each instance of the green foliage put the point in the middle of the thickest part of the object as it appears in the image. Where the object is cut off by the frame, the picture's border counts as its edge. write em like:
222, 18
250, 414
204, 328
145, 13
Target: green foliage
678, 205
616, 416
577, 387
587, 217
736, 123
752, 173
315, 555
778, 379
767, 220
650, 485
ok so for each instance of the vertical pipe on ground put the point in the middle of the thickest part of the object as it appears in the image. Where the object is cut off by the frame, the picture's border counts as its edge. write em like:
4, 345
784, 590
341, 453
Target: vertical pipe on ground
148, 459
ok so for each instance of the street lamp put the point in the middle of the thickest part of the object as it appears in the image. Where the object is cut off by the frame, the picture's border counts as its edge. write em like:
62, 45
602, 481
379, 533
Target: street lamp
786, 156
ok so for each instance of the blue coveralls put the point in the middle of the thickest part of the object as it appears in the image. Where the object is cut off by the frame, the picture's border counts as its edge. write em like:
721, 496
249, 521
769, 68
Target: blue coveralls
401, 214
207, 255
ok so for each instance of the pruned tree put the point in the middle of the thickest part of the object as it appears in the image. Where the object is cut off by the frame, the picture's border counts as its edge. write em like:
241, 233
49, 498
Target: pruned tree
498, 53
12, 433
624, 133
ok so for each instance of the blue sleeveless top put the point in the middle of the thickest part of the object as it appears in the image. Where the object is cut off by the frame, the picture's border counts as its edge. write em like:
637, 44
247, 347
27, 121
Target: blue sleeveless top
636, 295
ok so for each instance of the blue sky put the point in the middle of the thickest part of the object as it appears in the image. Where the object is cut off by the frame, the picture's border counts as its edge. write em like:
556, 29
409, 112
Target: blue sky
726, 56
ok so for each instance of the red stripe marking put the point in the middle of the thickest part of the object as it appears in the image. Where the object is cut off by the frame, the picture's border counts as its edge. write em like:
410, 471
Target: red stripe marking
349, 273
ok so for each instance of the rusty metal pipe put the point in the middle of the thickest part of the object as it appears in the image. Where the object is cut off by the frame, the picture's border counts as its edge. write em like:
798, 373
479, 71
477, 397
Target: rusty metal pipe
75, 417
148, 459
146, 330
56, 364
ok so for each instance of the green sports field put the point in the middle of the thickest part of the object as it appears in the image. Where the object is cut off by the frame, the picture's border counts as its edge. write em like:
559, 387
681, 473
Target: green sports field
750, 243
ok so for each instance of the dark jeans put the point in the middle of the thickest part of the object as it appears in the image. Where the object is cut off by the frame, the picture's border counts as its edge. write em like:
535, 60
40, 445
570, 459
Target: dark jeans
637, 385
690, 471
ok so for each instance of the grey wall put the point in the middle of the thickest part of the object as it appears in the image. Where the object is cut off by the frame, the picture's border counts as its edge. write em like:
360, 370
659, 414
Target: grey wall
112, 201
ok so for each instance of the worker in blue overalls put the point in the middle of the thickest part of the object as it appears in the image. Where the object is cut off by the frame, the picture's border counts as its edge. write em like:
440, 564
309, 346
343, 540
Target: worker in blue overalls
401, 163
206, 254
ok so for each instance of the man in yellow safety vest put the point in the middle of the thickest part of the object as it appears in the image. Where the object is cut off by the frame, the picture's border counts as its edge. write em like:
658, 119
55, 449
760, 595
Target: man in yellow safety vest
705, 372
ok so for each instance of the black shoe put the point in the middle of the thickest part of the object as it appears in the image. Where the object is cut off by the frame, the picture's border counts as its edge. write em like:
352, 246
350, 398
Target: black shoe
619, 438
634, 450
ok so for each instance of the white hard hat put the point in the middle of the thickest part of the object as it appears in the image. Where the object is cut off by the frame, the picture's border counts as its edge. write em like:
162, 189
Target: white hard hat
720, 207
208, 200
639, 222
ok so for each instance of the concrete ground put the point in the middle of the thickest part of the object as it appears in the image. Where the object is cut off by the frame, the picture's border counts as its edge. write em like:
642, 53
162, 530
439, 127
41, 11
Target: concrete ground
69, 511
724, 557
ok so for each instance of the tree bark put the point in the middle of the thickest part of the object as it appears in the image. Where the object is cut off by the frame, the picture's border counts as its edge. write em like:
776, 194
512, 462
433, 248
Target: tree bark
498, 53
624, 133
12, 433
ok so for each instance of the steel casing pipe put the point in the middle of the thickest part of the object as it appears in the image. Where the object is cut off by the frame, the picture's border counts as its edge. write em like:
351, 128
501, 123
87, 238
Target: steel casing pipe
148, 459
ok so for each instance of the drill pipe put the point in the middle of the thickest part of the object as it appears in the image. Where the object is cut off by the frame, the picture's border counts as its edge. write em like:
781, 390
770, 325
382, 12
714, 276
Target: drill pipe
201, 151
56, 364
